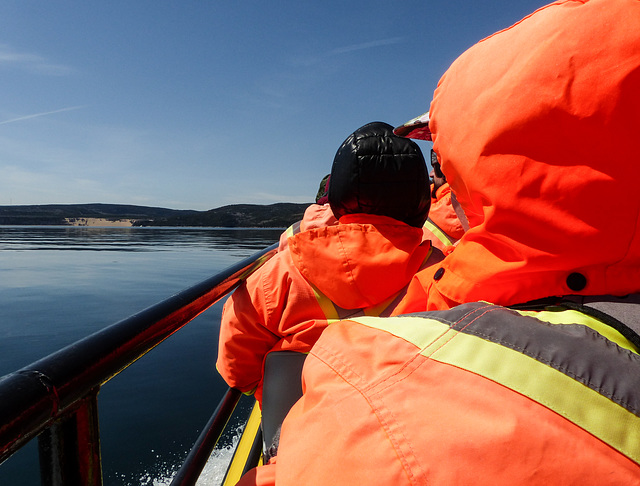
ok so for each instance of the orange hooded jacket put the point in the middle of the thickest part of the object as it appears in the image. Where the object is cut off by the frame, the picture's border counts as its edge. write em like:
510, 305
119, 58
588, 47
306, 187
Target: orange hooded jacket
357, 267
315, 216
442, 214
535, 128
444, 217
476, 395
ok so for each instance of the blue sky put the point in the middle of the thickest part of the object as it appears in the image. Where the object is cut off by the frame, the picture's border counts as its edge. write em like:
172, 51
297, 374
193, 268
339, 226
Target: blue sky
203, 103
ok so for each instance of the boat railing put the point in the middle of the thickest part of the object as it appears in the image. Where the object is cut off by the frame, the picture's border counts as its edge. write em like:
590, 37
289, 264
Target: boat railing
248, 452
55, 398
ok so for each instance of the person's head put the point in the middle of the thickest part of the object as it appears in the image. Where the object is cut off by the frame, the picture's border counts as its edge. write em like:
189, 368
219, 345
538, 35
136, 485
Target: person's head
322, 196
436, 174
377, 172
535, 129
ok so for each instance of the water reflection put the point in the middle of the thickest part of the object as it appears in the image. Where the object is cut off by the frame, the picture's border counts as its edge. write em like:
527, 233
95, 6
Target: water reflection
60, 284
24, 238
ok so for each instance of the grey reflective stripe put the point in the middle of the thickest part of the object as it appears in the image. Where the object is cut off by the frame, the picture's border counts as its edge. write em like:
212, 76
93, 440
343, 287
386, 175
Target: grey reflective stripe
625, 309
573, 349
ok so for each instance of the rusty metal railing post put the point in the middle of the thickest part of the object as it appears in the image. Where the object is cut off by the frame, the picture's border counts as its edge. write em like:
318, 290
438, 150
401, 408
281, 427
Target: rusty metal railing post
70, 449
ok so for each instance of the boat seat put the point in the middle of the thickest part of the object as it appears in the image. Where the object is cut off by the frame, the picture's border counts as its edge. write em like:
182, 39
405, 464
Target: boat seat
282, 388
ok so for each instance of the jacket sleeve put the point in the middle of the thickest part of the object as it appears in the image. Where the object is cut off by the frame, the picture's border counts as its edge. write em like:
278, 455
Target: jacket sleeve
244, 337
259, 476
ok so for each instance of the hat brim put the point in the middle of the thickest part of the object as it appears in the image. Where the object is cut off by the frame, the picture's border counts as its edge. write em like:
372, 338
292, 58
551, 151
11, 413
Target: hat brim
417, 128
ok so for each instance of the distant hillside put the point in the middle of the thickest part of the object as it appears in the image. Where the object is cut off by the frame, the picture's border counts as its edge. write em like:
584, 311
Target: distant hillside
57, 214
279, 215
240, 215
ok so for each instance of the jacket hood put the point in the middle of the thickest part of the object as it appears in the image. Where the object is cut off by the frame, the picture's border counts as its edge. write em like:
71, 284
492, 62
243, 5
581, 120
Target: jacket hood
536, 130
377, 172
359, 265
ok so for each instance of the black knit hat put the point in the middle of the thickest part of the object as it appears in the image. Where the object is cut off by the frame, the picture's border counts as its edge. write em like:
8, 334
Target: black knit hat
377, 172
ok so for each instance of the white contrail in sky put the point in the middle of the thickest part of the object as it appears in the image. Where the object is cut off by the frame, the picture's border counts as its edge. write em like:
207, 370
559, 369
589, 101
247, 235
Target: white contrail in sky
314, 59
36, 115
368, 45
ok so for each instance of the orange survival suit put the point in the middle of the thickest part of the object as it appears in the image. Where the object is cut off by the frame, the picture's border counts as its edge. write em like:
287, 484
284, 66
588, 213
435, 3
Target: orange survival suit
315, 216
442, 228
476, 395
325, 274
534, 128
379, 191
533, 125
443, 222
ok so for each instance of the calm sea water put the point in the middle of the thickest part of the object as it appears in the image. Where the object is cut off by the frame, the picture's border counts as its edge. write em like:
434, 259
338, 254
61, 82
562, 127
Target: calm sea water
59, 284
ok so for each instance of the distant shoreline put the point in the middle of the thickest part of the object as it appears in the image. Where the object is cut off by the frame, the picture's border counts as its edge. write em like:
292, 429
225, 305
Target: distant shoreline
99, 222
125, 216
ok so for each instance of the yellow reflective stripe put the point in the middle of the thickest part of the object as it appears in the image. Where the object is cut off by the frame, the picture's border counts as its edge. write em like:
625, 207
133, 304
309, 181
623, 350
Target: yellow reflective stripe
332, 314
438, 233
570, 316
380, 308
241, 454
258, 263
328, 309
578, 403
289, 231
581, 405
409, 328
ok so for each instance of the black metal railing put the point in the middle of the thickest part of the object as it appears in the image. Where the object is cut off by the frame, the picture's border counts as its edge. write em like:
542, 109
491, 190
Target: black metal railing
55, 398
189, 472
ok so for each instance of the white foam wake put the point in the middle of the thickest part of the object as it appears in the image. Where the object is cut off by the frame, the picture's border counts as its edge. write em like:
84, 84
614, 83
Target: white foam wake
162, 473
